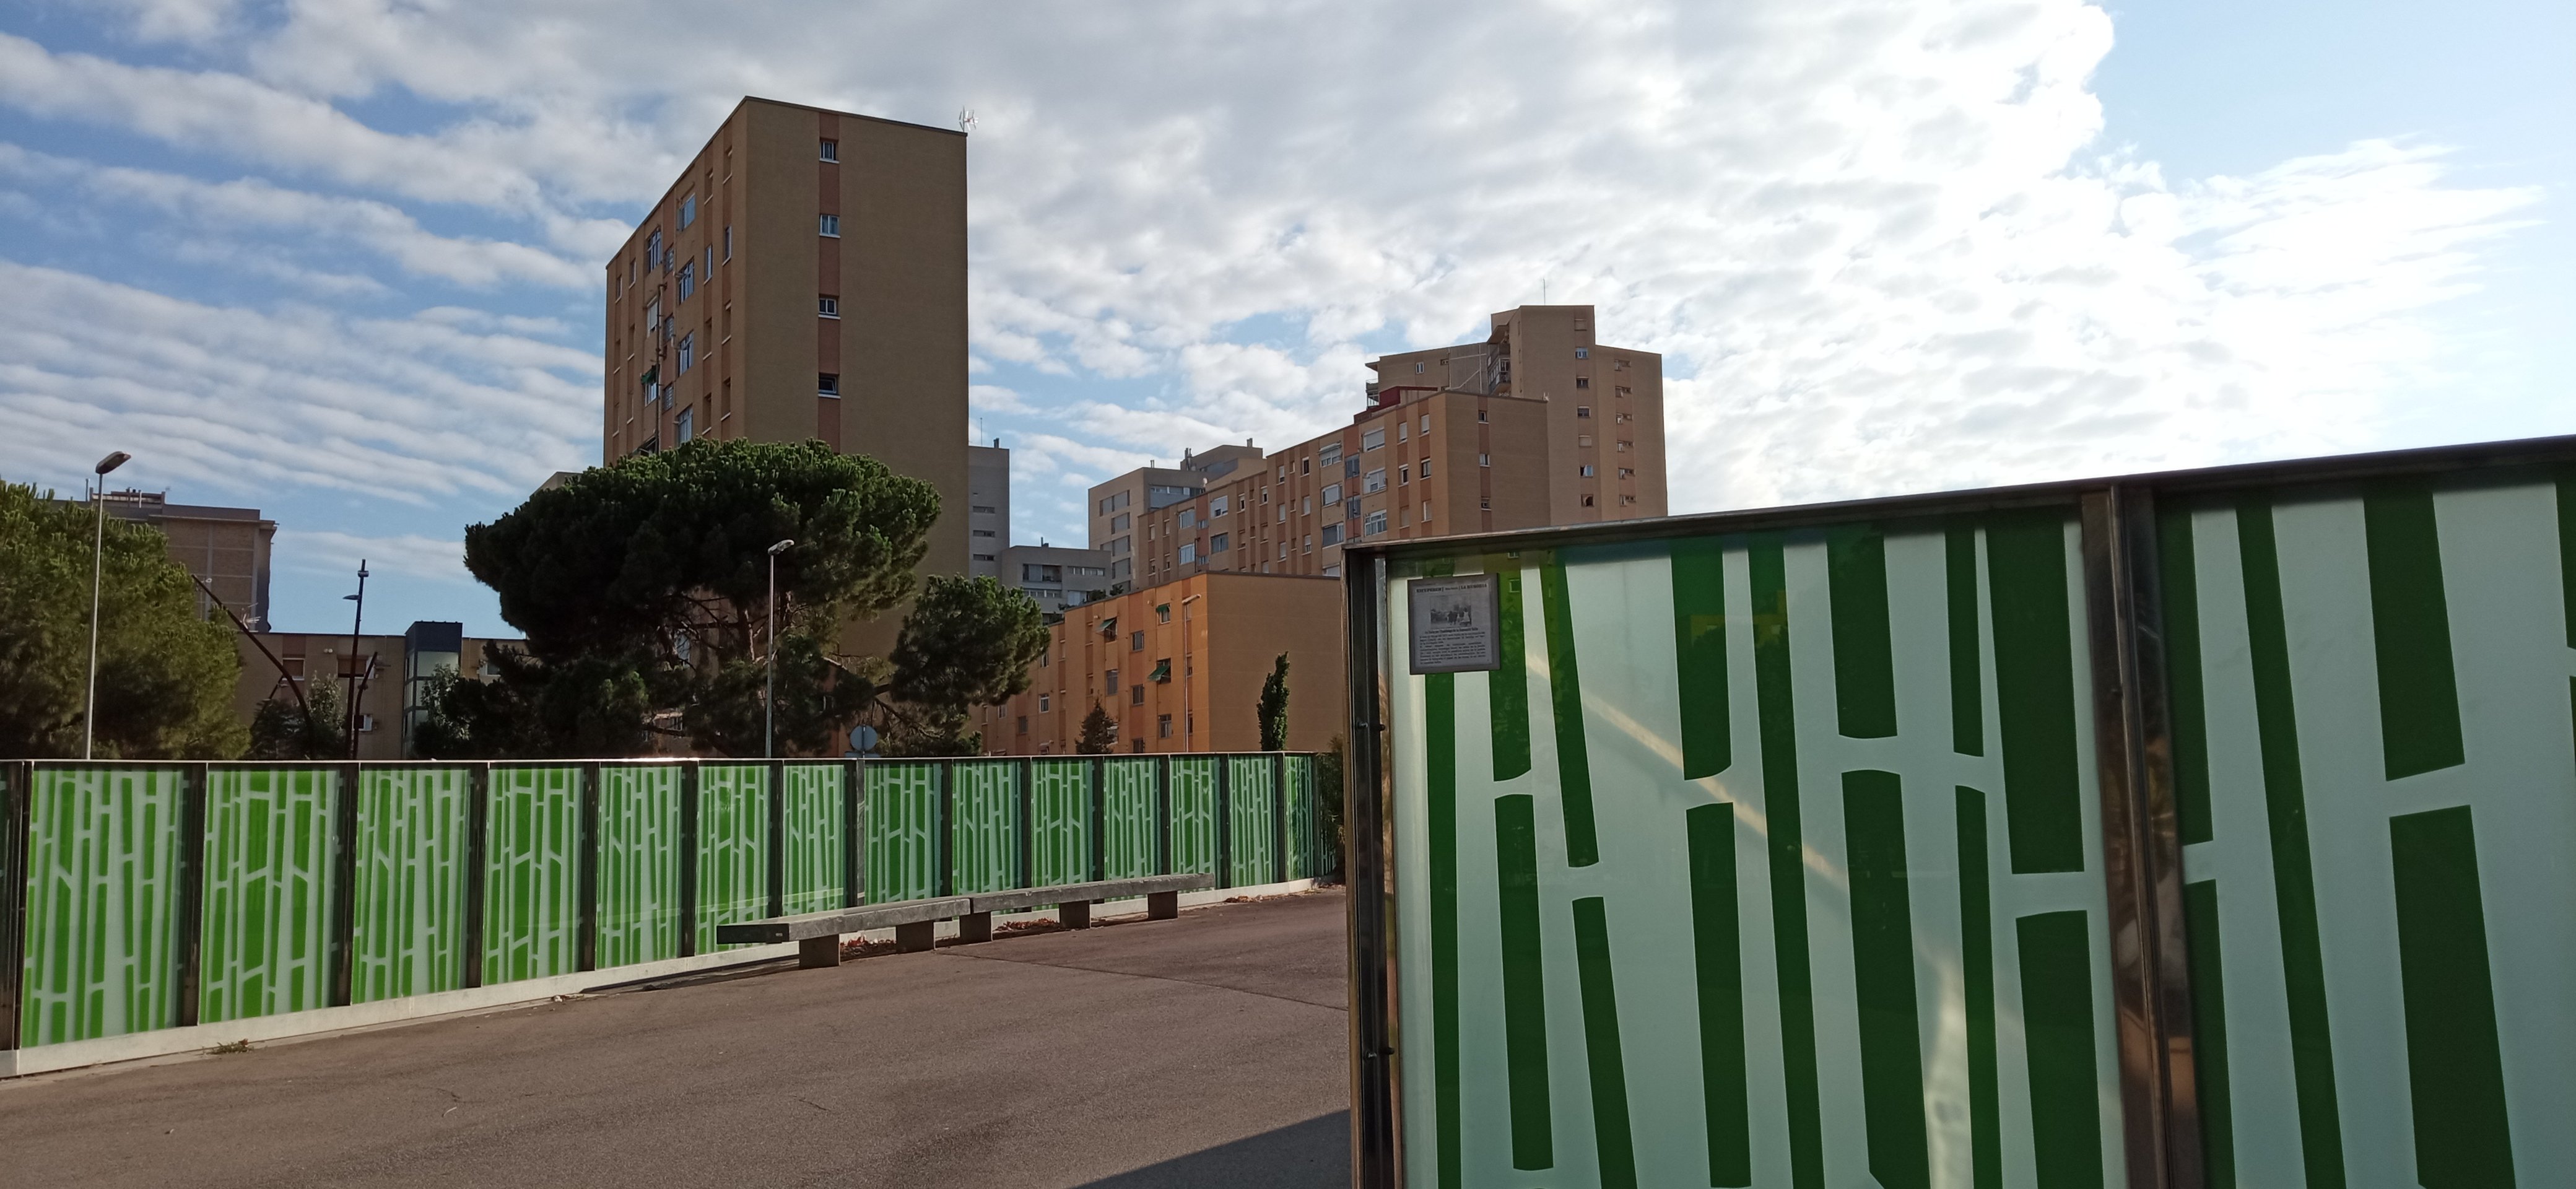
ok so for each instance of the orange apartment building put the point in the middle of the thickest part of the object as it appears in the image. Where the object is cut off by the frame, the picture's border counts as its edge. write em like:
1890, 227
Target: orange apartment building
1179, 667
804, 277
1539, 425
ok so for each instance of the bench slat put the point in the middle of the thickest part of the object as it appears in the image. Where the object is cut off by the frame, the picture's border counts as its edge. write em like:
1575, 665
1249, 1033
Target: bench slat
1017, 899
844, 920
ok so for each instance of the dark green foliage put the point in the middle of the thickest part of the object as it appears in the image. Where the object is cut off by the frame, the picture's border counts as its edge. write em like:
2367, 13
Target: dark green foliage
165, 674
281, 729
1274, 706
967, 642
1328, 798
1099, 733
587, 706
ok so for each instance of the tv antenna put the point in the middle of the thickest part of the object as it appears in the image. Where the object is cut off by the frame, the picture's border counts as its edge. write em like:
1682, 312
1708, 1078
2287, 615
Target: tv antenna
965, 119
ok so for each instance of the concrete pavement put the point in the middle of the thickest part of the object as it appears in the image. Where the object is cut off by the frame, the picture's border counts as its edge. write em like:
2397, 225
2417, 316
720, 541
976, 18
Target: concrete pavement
1210, 1050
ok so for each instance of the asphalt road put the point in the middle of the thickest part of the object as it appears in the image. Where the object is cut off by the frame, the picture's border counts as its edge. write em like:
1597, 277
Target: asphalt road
1210, 1050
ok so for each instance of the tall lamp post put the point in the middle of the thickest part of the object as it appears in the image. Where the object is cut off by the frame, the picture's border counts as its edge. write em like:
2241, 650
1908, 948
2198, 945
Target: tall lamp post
1189, 717
350, 662
769, 702
97, 570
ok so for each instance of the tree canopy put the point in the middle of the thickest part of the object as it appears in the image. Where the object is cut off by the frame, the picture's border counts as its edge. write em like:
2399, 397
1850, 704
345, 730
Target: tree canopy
643, 588
165, 674
1274, 706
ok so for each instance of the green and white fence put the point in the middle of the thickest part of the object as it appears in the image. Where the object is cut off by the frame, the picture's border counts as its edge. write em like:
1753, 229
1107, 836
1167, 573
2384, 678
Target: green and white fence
2215, 828
143, 896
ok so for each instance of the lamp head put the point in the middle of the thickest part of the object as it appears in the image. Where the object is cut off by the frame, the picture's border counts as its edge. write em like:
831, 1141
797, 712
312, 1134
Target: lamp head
111, 462
780, 547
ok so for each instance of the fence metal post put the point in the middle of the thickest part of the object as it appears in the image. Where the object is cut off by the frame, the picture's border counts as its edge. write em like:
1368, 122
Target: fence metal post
943, 778
1278, 817
689, 859
778, 838
1096, 778
586, 876
854, 850
478, 827
1025, 774
15, 816
344, 890
1163, 815
192, 890
1224, 821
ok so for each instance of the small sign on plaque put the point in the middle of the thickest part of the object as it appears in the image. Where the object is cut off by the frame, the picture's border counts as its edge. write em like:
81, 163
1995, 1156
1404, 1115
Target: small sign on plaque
1456, 624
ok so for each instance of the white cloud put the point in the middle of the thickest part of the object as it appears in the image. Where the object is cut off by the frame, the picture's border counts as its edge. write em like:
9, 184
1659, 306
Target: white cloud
255, 403
321, 551
1881, 245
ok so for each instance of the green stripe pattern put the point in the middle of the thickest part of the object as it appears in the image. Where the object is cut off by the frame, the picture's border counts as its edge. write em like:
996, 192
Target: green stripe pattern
1193, 789
407, 934
2377, 813
1306, 853
984, 831
1834, 923
903, 831
1059, 821
102, 904
1131, 821
733, 848
266, 940
532, 874
811, 828
638, 909
1251, 830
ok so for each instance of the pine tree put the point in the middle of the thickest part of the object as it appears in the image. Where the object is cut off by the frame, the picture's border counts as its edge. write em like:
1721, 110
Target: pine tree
1099, 733
1274, 706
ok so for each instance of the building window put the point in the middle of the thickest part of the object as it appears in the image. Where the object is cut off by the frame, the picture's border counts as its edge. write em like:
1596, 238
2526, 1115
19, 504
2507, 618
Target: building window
1309, 509
1627, 472
986, 557
688, 281
1330, 454
1216, 506
1136, 695
1485, 505
1426, 468
1426, 511
1583, 412
983, 532
1376, 480
728, 238
1189, 552
1332, 571
1587, 501
1332, 494
1189, 518
1163, 725
1583, 440
1042, 703
827, 306
1583, 352
1218, 543
1587, 470
1426, 423
827, 384
1350, 466
1583, 382
1118, 523
1162, 613
653, 249
1623, 446
1024, 724
1332, 534
1403, 475
688, 211
684, 428
831, 150
1283, 551
1372, 439
1417, 367
1283, 514
1375, 524
1627, 499
832, 226
1111, 680
1136, 641
1484, 460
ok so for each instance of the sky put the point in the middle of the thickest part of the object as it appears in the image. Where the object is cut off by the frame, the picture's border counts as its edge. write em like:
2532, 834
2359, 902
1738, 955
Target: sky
341, 260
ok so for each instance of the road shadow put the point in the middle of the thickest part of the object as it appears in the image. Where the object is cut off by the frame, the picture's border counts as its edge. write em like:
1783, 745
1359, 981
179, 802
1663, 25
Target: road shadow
1315, 1154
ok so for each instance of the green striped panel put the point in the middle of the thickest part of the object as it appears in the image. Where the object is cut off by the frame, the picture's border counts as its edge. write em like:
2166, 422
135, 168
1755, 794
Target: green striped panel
1193, 816
811, 829
1718, 960
1440, 845
1524, 980
1305, 841
1785, 849
1699, 655
2419, 696
1131, 822
532, 874
984, 834
902, 831
1882, 927
1967, 675
266, 945
1605, 1067
2209, 1035
638, 909
733, 848
102, 904
407, 932
2027, 562
1864, 657
1250, 829
1977, 979
1060, 821
2463, 1139
1507, 697
1565, 699
2057, 1025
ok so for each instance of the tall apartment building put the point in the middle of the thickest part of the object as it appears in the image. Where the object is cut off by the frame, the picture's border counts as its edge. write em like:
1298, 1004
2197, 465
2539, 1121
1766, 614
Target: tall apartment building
1538, 425
227, 547
804, 277
988, 509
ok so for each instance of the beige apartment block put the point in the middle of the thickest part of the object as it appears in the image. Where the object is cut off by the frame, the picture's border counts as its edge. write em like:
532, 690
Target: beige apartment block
389, 675
227, 548
803, 278
1179, 668
1539, 425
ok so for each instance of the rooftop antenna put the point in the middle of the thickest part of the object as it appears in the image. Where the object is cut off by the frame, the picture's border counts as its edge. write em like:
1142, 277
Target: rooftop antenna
966, 119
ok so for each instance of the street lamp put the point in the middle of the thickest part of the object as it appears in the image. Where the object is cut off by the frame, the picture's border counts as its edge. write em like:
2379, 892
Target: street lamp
357, 685
769, 703
1189, 717
97, 569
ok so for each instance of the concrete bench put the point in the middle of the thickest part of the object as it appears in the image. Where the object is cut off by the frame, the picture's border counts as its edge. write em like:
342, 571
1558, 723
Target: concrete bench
1073, 901
818, 934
